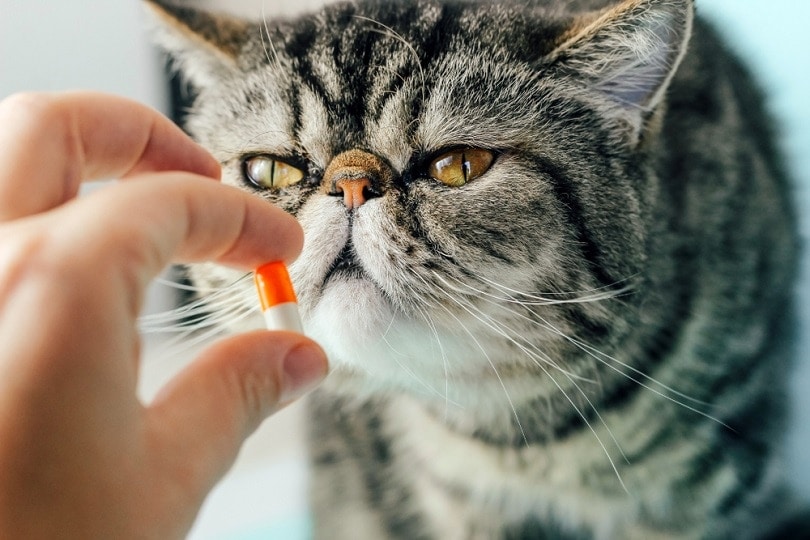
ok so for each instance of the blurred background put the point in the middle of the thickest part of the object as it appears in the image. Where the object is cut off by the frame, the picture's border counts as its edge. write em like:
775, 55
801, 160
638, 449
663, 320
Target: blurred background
101, 45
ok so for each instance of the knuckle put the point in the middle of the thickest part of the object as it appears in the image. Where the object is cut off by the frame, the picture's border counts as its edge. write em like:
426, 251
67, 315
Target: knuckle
24, 259
40, 124
21, 251
41, 118
22, 101
36, 108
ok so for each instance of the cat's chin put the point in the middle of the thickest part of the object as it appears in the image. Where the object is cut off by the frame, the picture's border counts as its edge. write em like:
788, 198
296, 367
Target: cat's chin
376, 350
348, 316
363, 334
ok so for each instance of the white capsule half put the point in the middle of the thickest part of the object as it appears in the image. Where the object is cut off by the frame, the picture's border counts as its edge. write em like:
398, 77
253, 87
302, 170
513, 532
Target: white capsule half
283, 317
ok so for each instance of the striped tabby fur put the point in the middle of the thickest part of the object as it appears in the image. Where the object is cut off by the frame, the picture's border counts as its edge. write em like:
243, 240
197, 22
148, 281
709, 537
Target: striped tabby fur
591, 339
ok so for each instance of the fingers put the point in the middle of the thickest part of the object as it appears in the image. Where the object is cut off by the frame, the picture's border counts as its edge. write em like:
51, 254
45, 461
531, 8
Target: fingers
132, 230
210, 408
50, 143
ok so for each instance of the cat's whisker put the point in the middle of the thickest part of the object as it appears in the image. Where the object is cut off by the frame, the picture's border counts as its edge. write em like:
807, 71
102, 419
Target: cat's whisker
494, 325
187, 314
592, 351
205, 332
597, 354
404, 367
390, 32
187, 287
576, 297
564, 393
499, 302
202, 319
445, 362
608, 361
216, 299
495, 371
486, 355
572, 378
209, 292
264, 29
537, 357
425, 315
514, 296
193, 309
588, 348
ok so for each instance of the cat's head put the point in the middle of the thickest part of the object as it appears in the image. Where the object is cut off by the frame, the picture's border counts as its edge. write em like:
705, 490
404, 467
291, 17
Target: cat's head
471, 178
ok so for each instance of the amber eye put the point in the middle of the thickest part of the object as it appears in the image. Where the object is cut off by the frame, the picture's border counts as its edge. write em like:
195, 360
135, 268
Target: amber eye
267, 172
457, 167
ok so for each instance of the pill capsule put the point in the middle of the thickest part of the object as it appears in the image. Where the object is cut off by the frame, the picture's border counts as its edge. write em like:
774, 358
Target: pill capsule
277, 297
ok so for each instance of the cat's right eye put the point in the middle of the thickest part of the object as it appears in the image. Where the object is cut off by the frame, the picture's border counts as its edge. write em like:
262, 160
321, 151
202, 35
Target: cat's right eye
268, 172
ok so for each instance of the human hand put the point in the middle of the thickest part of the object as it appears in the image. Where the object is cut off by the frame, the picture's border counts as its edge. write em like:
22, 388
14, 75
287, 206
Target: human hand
80, 456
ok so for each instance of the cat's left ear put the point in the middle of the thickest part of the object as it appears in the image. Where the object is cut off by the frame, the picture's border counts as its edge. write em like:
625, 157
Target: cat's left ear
626, 56
206, 46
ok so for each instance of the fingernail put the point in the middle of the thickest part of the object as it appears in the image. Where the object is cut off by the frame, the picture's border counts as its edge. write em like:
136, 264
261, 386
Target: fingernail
304, 368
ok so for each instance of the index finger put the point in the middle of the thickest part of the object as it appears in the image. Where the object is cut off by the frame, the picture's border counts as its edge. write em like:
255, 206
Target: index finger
50, 143
129, 231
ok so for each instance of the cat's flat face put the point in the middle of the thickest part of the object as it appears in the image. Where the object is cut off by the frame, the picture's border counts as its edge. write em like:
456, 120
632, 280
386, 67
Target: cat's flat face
500, 212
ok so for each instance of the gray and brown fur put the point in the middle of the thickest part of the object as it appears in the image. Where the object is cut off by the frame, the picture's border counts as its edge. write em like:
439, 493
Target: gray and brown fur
592, 339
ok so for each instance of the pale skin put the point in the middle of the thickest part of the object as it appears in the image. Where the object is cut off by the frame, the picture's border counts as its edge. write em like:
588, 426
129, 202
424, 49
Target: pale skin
80, 455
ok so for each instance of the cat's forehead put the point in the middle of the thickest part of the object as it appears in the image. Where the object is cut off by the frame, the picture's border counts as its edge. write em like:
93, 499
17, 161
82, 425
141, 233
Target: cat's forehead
357, 36
413, 74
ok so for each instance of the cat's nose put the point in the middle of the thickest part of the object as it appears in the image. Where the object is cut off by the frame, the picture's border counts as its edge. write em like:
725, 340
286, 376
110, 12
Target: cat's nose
355, 191
357, 176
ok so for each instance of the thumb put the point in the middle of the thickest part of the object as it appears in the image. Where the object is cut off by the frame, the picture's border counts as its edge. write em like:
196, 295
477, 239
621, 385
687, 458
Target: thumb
200, 419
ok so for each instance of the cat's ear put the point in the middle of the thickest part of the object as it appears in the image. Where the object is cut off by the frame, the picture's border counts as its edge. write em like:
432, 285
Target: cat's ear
205, 46
626, 56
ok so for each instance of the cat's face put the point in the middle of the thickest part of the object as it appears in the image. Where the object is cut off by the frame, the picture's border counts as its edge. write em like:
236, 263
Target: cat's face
470, 180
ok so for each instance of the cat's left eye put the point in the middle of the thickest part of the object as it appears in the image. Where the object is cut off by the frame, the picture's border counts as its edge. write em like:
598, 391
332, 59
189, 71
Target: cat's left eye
268, 172
457, 167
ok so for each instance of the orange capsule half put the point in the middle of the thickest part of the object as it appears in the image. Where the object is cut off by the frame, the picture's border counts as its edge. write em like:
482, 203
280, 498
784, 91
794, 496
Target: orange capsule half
277, 297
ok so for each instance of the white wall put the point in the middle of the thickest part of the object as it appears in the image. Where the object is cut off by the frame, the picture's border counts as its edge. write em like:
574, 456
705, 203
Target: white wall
77, 44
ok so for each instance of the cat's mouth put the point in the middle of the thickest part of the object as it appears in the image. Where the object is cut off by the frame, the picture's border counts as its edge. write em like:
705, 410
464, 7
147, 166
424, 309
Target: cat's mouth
346, 265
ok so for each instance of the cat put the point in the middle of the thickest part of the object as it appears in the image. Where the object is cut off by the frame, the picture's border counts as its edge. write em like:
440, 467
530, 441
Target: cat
550, 250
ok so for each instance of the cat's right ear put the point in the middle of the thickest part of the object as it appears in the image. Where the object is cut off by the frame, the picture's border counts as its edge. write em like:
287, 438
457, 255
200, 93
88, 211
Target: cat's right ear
205, 46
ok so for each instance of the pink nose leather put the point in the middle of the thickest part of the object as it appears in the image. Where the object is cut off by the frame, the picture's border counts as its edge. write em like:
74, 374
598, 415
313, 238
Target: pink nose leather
354, 191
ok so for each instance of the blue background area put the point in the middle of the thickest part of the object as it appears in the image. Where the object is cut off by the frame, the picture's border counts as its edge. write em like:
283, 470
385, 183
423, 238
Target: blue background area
775, 37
